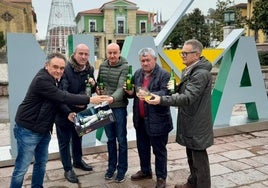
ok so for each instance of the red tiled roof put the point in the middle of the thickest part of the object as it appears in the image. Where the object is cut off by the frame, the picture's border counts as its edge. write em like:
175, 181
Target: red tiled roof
141, 12
91, 11
242, 5
98, 11
115, 0
19, 1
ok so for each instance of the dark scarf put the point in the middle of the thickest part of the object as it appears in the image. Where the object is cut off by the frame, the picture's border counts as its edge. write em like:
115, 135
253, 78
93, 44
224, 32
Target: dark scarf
76, 66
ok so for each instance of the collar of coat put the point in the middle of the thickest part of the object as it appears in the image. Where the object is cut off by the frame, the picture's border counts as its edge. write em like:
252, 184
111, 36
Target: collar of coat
76, 66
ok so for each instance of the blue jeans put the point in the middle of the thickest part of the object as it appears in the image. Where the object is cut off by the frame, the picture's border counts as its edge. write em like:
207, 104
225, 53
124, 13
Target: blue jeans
117, 131
30, 144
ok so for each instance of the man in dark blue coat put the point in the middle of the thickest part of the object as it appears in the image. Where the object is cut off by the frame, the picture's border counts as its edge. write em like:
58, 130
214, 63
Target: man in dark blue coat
152, 123
77, 74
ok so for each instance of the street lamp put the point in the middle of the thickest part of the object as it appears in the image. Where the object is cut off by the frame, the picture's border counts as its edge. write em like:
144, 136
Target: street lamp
229, 19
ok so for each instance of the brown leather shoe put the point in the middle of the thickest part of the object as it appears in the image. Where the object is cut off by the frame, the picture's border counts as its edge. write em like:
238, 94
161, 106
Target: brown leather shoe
141, 176
161, 183
186, 185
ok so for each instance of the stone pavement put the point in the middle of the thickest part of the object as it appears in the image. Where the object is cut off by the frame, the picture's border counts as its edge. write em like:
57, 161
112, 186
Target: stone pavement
239, 160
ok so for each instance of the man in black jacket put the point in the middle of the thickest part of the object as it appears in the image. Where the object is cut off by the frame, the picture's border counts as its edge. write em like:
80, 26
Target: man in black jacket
35, 117
77, 74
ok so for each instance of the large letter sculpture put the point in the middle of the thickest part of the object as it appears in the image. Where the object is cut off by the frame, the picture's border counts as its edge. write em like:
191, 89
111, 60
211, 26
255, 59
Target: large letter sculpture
239, 81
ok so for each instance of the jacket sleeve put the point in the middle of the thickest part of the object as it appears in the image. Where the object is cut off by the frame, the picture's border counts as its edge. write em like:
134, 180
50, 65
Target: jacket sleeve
46, 89
194, 88
162, 84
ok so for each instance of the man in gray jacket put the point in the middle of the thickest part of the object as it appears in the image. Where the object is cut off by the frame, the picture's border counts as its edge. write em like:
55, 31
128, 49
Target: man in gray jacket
194, 123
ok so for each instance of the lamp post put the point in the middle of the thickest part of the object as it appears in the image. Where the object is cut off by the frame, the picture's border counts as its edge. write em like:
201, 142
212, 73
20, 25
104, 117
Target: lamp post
229, 19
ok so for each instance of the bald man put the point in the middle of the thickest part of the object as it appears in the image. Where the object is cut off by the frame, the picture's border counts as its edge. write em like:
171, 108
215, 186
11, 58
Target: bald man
77, 74
114, 71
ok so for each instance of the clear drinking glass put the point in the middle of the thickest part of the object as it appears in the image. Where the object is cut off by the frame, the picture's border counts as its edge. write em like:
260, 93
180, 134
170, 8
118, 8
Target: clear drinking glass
143, 92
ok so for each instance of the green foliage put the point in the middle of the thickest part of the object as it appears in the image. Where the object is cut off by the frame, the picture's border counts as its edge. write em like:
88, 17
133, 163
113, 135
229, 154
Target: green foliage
192, 25
259, 18
263, 56
2, 40
218, 16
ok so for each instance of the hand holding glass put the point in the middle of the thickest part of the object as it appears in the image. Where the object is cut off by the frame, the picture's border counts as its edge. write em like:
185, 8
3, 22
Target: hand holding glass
142, 93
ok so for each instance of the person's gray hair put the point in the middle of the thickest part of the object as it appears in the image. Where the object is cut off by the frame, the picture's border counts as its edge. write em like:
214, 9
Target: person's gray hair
197, 45
53, 55
147, 51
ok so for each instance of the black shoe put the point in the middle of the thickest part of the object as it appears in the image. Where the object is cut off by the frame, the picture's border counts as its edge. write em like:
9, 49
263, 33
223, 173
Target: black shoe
70, 176
109, 176
161, 183
141, 176
82, 165
120, 179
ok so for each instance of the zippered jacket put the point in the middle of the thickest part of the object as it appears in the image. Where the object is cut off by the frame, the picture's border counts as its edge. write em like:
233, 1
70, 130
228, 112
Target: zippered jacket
37, 110
194, 122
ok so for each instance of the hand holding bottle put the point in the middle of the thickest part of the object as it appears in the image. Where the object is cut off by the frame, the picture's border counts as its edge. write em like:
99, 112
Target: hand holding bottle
91, 81
89, 84
101, 89
130, 92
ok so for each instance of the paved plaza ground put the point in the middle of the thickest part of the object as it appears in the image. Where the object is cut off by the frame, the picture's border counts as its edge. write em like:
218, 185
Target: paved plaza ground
239, 160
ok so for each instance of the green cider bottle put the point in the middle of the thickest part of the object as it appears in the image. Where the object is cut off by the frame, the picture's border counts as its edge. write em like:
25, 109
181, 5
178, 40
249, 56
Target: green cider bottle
88, 86
172, 83
129, 80
101, 84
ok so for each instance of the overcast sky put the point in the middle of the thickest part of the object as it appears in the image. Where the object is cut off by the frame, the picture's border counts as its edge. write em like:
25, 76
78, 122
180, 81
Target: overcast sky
167, 8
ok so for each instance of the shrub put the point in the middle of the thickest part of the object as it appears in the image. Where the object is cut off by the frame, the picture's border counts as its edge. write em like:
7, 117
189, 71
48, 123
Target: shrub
263, 56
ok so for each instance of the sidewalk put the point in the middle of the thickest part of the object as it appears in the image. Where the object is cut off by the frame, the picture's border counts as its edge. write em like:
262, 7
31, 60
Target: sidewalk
236, 161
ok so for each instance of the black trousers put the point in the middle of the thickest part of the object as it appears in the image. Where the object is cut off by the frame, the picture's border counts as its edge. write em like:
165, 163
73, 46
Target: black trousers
67, 136
199, 167
158, 144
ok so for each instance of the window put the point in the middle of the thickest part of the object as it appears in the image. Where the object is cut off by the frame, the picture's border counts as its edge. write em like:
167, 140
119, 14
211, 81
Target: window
120, 27
142, 26
92, 26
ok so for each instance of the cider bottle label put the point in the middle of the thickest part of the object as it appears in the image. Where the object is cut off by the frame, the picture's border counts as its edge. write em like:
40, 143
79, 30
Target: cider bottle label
129, 78
172, 83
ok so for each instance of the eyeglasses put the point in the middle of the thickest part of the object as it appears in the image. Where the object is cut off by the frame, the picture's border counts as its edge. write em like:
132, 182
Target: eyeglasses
184, 54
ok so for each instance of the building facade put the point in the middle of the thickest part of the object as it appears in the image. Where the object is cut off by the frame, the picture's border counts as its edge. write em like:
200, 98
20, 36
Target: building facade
261, 36
17, 16
113, 22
